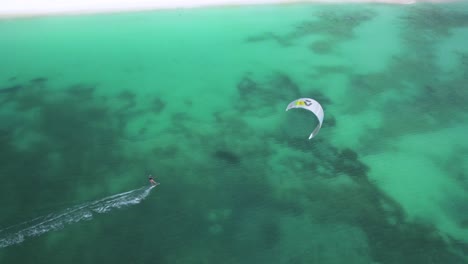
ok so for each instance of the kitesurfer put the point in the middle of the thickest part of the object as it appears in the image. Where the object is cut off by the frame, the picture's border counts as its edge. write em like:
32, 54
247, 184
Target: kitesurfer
152, 181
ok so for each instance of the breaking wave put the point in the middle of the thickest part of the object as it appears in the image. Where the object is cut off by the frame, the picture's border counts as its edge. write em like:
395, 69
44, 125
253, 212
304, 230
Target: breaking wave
55, 221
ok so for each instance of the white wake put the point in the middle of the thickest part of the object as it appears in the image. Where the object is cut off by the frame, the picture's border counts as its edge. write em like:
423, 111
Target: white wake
54, 221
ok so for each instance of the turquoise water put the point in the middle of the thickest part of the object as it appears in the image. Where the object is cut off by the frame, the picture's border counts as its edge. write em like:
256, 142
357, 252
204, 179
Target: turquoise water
89, 105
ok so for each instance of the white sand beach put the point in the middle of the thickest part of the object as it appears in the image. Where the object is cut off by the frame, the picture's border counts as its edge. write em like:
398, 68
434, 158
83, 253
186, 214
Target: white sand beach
27, 8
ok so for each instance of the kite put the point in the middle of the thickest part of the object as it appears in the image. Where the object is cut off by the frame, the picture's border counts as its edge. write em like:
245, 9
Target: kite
311, 105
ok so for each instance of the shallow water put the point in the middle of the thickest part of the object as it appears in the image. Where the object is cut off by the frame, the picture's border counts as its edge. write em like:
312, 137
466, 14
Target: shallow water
91, 104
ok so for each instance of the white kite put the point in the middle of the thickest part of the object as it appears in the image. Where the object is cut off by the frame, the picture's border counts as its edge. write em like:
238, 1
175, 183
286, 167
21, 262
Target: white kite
311, 105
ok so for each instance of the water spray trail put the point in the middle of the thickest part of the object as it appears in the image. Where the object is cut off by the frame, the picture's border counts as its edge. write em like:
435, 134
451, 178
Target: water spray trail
54, 221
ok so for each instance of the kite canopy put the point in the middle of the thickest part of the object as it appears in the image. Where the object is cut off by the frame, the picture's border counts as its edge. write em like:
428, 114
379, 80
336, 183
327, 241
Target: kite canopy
311, 105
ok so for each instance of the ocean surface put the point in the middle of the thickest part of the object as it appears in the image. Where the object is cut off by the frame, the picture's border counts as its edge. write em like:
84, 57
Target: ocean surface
90, 105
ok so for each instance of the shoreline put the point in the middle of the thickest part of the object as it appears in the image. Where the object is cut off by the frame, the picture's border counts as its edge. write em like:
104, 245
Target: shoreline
13, 9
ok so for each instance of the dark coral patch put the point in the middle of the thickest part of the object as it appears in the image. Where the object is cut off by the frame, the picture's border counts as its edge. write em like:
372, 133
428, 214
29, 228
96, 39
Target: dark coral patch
227, 156
11, 89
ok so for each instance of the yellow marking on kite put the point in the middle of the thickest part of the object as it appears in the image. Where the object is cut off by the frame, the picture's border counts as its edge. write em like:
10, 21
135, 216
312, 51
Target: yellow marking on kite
300, 103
